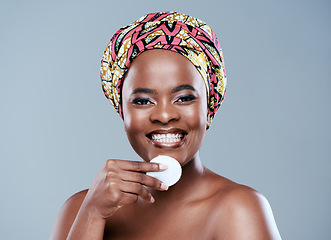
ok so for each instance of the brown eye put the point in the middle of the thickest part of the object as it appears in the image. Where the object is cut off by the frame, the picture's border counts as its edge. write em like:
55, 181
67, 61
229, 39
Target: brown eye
186, 98
141, 101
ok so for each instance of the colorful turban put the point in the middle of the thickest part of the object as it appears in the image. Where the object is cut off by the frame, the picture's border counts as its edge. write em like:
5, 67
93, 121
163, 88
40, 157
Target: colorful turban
172, 31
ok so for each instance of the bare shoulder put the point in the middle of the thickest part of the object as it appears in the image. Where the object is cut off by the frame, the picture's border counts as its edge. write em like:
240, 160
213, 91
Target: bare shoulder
76, 199
237, 196
72, 205
243, 213
67, 215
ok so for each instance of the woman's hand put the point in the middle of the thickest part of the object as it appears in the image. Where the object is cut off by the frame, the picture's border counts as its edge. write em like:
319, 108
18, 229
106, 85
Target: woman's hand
120, 183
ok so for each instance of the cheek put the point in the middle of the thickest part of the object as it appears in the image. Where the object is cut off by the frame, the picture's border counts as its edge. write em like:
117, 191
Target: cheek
198, 113
129, 121
131, 127
134, 120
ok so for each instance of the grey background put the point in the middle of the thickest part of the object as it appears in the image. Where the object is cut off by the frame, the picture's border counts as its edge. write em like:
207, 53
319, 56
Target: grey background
272, 133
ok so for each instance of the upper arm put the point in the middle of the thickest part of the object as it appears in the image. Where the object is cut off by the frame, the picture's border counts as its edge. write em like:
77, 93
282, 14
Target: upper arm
248, 215
67, 216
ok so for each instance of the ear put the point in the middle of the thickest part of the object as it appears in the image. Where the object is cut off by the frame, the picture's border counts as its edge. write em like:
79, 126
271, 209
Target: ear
208, 121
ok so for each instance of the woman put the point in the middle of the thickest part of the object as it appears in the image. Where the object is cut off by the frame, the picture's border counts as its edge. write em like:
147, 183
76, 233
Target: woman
164, 74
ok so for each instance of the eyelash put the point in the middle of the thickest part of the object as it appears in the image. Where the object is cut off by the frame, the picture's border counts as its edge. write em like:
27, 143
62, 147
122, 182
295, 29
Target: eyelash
182, 99
186, 98
141, 101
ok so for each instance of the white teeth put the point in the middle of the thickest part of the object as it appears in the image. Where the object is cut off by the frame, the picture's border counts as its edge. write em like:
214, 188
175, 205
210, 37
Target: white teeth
167, 138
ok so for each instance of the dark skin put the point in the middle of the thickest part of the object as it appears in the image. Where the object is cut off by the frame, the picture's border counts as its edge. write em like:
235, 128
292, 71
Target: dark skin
124, 203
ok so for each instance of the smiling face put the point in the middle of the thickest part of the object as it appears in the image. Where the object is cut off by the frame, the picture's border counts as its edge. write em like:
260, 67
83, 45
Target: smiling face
164, 106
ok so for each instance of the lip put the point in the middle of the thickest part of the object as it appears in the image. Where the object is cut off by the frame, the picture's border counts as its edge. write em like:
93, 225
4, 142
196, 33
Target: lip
176, 137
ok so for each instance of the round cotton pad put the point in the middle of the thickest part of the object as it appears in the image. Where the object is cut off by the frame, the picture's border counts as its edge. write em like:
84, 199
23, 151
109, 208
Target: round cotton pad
169, 176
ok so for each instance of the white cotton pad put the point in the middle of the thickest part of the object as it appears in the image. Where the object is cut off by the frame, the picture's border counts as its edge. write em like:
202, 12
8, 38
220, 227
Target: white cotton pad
169, 176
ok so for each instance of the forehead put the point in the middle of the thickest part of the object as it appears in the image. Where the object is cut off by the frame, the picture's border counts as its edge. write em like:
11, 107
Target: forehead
162, 68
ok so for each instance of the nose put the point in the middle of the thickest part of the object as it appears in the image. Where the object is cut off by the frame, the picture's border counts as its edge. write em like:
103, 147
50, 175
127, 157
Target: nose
164, 112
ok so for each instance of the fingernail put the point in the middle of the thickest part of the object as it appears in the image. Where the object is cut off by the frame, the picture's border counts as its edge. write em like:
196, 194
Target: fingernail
151, 200
164, 186
163, 166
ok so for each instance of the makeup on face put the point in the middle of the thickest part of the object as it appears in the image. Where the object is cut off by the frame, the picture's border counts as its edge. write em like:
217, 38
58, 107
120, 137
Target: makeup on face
164, 104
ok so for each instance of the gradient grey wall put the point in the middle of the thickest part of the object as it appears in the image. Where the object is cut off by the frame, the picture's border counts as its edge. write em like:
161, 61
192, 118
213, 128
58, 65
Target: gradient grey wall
272, 133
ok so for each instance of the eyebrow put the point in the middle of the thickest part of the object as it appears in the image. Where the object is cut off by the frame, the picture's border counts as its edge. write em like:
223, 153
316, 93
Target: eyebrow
143, 90
183, 87
174, 90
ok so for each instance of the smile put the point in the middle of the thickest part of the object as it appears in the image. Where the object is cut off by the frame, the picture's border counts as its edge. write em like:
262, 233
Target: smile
167, 138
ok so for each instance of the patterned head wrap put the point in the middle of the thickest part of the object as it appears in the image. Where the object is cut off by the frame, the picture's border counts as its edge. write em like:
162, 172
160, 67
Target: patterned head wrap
172, 31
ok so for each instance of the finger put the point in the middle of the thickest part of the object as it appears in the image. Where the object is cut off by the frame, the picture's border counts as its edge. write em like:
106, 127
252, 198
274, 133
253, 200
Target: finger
138, 189
144, 179
127, 199
142, 166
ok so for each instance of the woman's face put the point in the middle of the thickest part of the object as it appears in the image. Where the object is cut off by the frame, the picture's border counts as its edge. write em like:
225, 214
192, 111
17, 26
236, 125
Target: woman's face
164, 106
